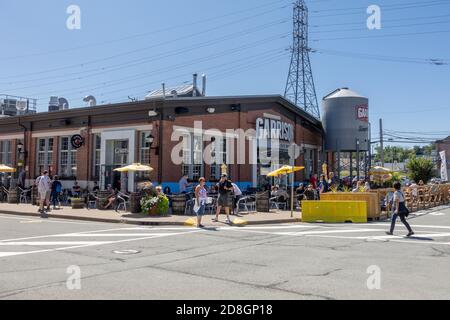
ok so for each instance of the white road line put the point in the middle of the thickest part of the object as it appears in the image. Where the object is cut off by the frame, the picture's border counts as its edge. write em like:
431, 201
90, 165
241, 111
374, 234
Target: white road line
8, 254
59, 220
308, 232
52, 243
62, 234
95, 235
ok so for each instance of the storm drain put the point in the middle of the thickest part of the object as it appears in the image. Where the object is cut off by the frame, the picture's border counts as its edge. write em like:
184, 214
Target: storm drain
126, 251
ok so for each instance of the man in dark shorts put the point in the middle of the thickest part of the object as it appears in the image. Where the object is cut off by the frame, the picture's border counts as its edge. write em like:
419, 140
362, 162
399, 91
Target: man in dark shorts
225, 199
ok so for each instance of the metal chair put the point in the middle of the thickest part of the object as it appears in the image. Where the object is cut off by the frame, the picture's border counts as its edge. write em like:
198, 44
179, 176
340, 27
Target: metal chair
211, 207
24, 195
275, 203
189, 208
248, 203
123, 201
92, 199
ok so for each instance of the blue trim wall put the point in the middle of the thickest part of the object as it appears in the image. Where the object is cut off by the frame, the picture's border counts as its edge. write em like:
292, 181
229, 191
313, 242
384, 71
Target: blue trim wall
174, 188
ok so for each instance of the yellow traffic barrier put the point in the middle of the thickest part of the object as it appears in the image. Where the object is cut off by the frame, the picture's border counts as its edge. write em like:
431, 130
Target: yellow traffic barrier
334, 211
239, 222
373, 204
190, 222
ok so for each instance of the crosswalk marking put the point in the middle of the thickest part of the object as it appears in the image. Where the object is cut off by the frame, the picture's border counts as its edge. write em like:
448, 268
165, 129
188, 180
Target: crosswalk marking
67, 245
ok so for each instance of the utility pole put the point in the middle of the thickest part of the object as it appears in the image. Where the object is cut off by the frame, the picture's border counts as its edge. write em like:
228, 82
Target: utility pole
300, 87
381, 143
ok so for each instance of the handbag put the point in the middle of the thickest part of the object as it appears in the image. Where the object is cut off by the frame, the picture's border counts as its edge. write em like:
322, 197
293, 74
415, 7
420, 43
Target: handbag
402, 209
196, 206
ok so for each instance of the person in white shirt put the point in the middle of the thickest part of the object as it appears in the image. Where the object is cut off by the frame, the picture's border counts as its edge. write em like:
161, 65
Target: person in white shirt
237, 195
44, 187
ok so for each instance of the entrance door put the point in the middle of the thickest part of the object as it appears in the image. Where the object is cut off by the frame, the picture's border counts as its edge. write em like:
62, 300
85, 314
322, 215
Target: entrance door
117, 155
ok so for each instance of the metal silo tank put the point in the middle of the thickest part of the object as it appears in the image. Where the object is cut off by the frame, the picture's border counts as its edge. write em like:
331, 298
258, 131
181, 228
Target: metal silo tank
345, 121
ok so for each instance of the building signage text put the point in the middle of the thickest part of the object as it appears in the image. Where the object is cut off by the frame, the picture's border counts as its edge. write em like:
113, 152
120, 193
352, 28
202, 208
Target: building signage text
274, 129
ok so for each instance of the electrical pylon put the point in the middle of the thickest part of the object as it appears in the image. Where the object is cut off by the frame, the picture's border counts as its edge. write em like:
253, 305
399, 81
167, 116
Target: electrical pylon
300, 87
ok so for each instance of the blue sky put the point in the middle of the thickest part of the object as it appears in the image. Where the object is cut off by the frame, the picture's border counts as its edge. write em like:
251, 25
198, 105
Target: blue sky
126, 48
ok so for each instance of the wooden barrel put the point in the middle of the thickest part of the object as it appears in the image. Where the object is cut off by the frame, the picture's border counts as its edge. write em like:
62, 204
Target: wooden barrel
262, 201
178, 203
102, 200
135, 202
13, 196
34, 196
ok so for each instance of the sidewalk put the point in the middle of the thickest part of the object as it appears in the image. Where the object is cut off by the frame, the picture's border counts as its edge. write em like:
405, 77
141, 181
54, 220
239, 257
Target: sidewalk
140, 219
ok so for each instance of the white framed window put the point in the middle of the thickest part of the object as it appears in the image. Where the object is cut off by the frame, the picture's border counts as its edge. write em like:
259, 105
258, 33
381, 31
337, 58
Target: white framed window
219, 154
97, 145
144, 143
6, 152
44, 155
192, 156
67, 159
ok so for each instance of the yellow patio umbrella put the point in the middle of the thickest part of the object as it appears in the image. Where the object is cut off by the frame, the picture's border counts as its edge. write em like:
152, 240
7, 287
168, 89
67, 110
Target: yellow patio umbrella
135, 167
380, 174
377, 170
4, 168
285, 170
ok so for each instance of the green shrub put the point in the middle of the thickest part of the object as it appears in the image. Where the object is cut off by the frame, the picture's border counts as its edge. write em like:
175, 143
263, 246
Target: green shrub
420, 169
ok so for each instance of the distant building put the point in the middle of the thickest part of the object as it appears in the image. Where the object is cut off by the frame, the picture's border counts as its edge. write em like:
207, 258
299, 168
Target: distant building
443, 145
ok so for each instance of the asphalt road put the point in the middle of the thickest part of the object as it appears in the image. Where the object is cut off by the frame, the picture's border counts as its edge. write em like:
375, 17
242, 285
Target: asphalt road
42, 259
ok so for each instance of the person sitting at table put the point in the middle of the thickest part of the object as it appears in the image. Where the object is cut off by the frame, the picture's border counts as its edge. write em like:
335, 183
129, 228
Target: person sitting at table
159, 190
167, 191
76, 189
96, 187
309, 193
112, 198
300, 191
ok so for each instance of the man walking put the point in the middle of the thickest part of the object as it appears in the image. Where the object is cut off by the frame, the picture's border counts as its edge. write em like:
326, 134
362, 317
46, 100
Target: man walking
225, 199
44, 187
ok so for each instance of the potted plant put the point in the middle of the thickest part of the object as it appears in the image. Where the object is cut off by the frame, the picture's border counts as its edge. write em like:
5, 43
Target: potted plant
155, 204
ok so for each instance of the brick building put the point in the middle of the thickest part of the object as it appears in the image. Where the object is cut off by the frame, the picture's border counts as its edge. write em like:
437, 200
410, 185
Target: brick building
149, 131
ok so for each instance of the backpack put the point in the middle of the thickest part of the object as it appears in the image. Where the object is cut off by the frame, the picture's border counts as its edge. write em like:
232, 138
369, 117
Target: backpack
58, 187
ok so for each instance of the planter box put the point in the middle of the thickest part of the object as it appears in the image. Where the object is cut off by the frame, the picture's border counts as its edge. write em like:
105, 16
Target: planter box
372, 200
334, 211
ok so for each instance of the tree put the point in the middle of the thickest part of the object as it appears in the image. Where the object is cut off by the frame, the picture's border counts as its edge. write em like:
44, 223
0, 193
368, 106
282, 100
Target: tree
420, 169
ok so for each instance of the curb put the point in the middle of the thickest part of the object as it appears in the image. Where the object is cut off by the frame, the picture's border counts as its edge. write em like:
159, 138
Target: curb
142, 223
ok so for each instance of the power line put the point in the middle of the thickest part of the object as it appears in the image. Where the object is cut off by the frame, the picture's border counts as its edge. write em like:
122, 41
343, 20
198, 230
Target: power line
202, 21
253, 58
384, 36
402, 7
125, 53
174, 52
181, 64
433, 61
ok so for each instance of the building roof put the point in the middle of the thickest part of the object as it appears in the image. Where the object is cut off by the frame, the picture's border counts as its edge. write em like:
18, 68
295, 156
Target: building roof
160, 102
343, 93
182, 91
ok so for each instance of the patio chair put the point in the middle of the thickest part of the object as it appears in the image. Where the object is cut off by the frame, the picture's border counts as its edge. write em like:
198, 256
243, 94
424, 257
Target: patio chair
275, 202
211, 207
92, 200
189, 208
25, 194
248, 203
122, 201
5, 194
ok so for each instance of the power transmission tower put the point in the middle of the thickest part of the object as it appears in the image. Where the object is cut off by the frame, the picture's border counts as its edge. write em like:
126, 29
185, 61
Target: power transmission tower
300, 87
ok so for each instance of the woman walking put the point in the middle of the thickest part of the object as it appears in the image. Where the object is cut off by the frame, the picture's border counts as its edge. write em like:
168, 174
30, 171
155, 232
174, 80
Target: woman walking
201, 195
400, 210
